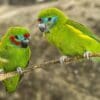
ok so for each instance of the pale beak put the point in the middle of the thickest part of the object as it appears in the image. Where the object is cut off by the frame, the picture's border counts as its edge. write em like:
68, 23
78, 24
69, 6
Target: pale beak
42, 27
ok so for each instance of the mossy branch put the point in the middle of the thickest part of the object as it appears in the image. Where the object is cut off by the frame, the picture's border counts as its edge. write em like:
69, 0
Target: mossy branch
68, 60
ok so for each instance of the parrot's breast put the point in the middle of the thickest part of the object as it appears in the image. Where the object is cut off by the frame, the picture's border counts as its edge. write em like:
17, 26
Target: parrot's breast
17, 57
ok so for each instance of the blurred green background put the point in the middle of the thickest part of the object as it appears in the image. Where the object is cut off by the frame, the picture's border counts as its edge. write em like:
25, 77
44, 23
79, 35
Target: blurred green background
76, 81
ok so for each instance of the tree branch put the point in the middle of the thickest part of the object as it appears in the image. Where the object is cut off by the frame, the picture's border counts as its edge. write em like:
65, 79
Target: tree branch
68, 60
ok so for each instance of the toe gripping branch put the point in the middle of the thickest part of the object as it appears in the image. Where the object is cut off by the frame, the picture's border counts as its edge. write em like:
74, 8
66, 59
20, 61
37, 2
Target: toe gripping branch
87, 55
19, 70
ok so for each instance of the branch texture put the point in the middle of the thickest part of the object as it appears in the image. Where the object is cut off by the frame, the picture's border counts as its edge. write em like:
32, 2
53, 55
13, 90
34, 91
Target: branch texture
68, 60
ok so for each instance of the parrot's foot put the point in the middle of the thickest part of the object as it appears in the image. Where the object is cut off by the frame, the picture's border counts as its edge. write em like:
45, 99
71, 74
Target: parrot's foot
1, 71
87, 55
19, 70
62, 59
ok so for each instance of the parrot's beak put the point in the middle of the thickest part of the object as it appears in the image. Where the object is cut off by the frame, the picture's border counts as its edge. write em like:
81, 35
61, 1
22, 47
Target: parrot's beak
42, 27
25, 43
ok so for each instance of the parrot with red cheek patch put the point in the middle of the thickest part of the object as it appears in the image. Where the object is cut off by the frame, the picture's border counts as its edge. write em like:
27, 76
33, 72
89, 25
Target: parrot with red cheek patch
14, 49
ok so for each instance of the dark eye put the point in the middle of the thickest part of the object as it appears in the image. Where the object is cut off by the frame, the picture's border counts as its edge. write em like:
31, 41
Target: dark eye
16, 36
49, 19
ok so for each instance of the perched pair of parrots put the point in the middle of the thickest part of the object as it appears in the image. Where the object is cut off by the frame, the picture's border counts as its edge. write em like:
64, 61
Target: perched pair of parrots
70, 37
15, 51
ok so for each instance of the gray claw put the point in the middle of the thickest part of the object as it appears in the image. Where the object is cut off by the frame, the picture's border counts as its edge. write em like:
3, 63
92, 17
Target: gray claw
87, 55
19, 70
62, 59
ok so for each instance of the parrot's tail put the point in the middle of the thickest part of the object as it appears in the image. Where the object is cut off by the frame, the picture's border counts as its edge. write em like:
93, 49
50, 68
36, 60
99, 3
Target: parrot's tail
11, 84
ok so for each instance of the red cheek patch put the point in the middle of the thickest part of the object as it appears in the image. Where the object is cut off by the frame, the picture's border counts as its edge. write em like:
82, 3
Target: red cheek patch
13, 40
27, 35
17, 42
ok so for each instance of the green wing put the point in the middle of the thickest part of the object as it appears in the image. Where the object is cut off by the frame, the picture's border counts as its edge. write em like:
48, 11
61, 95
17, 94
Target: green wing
83, 29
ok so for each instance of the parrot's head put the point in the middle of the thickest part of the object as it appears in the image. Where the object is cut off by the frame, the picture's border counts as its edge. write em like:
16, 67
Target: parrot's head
18, 36
50, 18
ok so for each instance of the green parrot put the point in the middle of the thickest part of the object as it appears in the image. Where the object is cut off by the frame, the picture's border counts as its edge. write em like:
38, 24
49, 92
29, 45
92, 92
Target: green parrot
15, 55
70, 37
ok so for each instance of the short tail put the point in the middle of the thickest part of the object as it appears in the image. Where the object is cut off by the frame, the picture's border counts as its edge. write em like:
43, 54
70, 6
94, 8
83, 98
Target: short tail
11, 84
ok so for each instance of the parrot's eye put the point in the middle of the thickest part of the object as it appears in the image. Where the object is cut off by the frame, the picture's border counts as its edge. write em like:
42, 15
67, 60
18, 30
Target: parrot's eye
16, 36
13, 40
49, 19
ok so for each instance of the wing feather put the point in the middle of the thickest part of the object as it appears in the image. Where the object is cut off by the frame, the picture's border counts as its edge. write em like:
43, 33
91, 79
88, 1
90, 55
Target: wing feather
83, 29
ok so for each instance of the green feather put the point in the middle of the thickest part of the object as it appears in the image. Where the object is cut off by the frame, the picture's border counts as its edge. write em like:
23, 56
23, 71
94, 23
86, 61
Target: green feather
82, 28
11, 84
70, 37
16, 56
